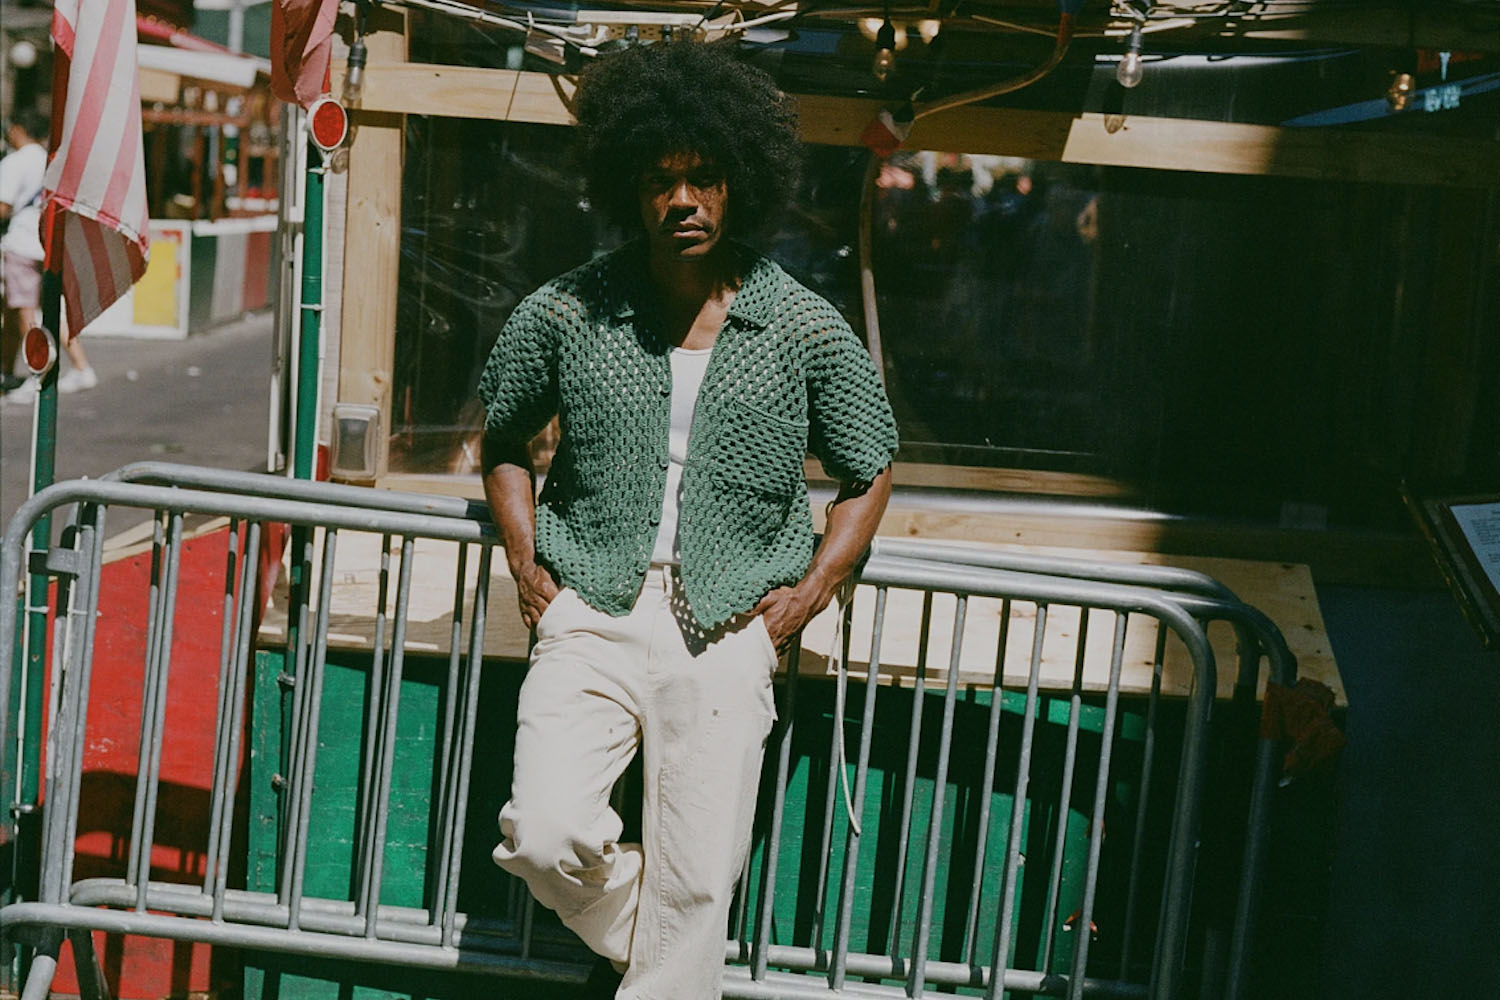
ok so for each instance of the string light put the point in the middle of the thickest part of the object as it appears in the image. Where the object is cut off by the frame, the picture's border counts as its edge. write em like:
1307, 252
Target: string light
1131, 68
1398, 94
885, 51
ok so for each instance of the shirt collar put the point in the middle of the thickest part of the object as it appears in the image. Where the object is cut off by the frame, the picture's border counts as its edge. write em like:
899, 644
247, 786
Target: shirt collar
752, 303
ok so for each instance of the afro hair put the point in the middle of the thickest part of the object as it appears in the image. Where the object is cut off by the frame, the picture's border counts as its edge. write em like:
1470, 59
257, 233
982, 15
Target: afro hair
644, 103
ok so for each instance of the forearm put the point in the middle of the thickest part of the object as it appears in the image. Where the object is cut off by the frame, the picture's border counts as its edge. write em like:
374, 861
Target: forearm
852, 521
510, 491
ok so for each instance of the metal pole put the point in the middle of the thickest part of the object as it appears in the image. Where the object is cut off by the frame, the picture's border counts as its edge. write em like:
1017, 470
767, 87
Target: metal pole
304, 441
23, 751
306, 428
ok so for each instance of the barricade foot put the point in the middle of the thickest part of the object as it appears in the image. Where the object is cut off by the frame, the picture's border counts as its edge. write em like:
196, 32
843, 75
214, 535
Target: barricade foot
92, 984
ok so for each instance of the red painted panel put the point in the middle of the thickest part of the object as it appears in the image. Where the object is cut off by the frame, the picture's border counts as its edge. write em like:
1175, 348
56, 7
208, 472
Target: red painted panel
140, 968
257, 270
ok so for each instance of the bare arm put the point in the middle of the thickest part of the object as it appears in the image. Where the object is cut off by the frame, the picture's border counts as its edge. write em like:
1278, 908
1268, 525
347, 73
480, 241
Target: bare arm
852, 520
510, 491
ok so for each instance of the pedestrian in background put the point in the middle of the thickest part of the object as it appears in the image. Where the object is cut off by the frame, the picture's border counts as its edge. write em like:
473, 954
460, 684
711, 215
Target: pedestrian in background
22, 173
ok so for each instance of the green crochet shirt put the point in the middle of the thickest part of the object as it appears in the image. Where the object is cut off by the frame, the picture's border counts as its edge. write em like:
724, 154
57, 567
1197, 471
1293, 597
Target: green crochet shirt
787, 376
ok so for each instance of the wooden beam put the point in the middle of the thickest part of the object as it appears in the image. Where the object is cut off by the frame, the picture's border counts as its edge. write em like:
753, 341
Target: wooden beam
1399, 26
1173, 144
466, 92
1106, 140
372, 239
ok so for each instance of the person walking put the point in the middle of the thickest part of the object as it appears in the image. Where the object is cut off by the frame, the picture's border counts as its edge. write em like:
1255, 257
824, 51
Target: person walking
670, 556
22, 172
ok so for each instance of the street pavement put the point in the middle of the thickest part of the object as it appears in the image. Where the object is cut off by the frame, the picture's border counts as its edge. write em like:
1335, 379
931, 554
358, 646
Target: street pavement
203, 401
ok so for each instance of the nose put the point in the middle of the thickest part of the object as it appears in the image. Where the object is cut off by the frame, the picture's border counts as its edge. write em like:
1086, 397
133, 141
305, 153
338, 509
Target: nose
680, 196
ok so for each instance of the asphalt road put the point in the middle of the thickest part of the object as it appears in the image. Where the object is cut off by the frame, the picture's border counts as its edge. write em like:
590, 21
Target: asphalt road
203, 401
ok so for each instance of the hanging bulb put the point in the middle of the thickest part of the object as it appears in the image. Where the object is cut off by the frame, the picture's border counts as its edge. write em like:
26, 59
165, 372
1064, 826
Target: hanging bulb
928, 28
1398, 94
885, 51
1131, 68
354, 75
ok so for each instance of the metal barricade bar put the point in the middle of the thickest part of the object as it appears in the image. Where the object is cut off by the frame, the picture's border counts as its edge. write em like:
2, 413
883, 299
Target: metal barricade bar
292, 920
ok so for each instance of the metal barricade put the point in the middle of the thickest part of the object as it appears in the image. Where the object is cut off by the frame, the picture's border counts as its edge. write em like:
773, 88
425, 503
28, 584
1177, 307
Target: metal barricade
1258, 640
930, 939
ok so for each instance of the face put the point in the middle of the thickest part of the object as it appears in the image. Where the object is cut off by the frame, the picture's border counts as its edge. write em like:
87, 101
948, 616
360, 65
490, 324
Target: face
684, 204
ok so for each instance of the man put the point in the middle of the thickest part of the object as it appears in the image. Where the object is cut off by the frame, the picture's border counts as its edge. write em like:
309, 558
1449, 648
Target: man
671, 553
22, 173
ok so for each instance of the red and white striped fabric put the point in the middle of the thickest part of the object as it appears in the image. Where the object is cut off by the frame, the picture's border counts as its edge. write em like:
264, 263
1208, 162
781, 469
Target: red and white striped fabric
94, 223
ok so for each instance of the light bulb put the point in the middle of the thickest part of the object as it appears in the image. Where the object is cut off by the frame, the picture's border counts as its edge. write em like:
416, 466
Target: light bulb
1398, 95
1131, 67
23, 54
354, 74
885, 52
928, 28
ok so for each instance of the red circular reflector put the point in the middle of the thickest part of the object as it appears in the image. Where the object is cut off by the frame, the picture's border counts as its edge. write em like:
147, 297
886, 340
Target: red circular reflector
39, 350
329, 123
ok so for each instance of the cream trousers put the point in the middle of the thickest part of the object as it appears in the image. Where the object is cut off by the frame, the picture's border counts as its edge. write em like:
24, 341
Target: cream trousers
698, 706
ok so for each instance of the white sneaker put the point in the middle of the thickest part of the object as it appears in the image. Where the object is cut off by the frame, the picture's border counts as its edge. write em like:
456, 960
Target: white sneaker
23, 394
77, 380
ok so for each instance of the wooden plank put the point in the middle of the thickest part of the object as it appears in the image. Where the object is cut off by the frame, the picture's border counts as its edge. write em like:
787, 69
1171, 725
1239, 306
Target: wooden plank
1283, 591
1398, 26
1370, 559
1347, 557
1107, 140
971, 477
466, 92
372, 240
1173, 143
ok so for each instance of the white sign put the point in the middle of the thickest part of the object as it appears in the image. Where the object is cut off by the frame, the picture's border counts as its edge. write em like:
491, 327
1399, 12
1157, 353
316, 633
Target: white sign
1480, 523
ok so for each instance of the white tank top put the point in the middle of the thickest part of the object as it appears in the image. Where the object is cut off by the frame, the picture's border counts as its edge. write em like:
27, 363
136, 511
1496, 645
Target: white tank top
688, 367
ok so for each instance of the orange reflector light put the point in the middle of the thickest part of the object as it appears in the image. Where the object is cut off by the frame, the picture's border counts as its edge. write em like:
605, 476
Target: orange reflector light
328, 122
39, 349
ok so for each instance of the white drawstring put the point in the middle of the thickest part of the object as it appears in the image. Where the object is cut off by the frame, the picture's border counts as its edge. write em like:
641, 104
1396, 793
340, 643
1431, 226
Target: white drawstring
844, 597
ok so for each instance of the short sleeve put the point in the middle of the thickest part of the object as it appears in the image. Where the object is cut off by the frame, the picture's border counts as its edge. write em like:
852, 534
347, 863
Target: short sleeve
518, 386
851, 428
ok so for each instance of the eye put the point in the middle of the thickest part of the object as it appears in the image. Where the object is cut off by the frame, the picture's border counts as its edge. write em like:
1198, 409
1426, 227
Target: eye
706, 177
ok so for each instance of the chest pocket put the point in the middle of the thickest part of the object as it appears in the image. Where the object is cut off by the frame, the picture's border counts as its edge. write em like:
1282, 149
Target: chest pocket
758, 450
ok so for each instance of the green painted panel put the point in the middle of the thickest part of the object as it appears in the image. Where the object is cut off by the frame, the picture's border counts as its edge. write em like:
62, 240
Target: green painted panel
332, 842
880, 909
879, 913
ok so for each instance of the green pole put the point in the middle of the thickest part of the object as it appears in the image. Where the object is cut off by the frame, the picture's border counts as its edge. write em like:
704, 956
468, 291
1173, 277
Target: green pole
23, 751
305, 443
43, 471
305, 427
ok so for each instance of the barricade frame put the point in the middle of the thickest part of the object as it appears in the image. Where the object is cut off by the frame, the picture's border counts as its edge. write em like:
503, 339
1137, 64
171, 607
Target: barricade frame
233, 917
